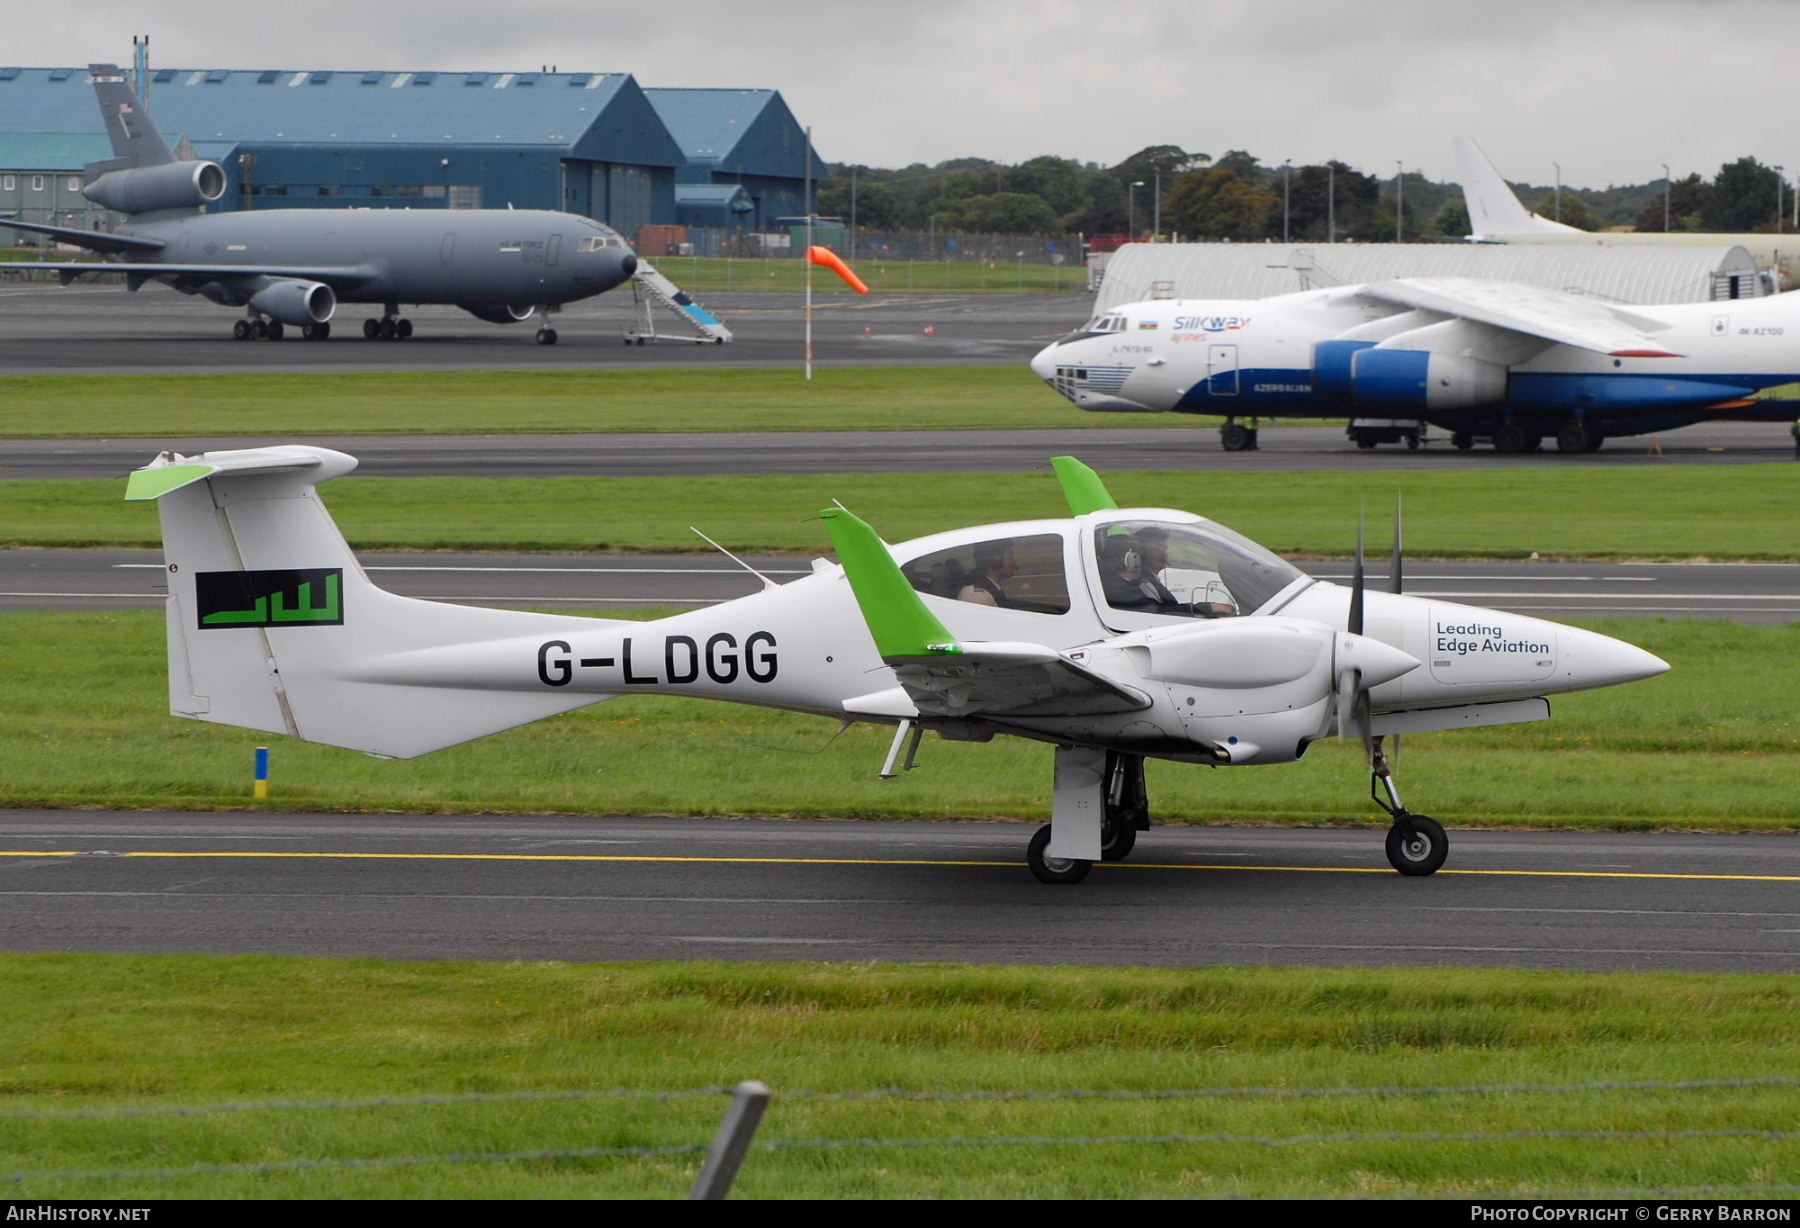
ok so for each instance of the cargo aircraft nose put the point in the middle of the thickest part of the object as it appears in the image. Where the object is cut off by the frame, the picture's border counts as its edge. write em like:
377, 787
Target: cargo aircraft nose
1044, 364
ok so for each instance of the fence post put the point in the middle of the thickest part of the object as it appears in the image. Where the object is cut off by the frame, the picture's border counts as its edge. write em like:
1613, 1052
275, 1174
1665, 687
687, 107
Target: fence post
731, 1142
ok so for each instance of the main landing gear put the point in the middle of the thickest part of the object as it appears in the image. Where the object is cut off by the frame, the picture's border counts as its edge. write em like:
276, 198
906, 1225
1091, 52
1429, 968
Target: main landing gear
1234, 436
256, 328
1123, 805
1416, 844
390, 326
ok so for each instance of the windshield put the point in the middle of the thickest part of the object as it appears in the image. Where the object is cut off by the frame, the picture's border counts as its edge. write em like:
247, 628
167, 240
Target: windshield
1186, 570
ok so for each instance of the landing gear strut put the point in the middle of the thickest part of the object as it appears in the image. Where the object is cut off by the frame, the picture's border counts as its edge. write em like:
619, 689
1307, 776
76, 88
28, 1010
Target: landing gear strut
1416, 844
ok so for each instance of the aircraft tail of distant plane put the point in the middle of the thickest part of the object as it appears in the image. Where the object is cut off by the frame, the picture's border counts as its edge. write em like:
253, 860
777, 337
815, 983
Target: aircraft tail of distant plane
1494, 211
136, 142
273, 624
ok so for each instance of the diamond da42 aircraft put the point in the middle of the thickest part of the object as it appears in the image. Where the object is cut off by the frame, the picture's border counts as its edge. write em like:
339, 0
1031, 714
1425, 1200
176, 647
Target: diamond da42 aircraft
1474, 357
1114, 635
292, 267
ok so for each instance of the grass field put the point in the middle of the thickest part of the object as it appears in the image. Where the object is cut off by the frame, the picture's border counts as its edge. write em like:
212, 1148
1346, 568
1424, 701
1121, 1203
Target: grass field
1712, 745
1683, 512
89, 1033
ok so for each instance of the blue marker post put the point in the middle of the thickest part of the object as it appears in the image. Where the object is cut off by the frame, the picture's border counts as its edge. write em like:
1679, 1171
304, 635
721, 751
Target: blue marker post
262, 772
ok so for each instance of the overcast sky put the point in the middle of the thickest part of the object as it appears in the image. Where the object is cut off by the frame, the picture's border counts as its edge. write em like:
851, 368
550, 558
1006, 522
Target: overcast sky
1611, 89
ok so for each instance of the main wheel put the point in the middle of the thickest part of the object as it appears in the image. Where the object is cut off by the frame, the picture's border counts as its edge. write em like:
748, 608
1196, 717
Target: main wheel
403, 328
1462, 441
1053, 870
386, 329
1575, 437
546, 336
240, 331
1421, 853
371, 328
1235, 437
322, 331
1118, 834
1511, 440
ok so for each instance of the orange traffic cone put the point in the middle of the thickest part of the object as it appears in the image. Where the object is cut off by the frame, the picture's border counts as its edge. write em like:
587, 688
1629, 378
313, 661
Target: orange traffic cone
930, 331
867, 331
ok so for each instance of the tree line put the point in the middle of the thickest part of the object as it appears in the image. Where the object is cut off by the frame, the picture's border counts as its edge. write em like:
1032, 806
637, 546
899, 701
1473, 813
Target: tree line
1235, 197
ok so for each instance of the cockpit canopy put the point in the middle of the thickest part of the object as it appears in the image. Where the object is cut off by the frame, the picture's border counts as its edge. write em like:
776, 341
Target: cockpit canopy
1132, 570
1112, 322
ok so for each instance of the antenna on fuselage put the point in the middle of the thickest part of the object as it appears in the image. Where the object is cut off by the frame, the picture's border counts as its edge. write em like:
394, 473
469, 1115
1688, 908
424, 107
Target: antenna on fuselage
766, 582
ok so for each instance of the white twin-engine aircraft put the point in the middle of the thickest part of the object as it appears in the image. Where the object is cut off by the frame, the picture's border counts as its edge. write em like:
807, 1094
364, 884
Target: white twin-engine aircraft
1112, 634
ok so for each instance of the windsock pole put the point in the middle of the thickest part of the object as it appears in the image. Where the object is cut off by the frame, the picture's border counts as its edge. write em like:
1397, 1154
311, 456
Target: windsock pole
811, 209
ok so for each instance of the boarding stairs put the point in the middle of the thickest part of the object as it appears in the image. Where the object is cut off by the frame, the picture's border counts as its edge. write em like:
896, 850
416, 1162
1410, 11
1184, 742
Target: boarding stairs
649, 290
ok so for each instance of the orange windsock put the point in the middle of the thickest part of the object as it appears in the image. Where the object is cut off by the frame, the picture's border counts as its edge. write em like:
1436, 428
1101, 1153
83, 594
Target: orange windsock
831, 260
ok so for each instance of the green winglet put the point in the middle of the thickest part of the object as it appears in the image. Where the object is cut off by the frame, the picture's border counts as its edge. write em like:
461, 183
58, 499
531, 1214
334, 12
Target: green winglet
1082, 487
159, 480
898, 620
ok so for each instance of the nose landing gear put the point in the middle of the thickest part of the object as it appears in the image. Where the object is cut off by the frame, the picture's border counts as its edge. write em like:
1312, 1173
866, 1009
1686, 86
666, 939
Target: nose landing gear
1416, 844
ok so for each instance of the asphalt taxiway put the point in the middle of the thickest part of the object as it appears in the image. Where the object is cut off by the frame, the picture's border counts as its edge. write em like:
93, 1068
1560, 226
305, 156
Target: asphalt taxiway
425, 887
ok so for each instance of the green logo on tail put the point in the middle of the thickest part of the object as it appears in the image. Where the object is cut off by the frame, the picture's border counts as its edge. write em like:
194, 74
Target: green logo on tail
302, 597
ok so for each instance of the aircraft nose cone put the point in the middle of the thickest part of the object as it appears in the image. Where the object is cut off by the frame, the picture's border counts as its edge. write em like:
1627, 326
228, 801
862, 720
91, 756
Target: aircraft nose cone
1044, 364
628, 267
1590, 659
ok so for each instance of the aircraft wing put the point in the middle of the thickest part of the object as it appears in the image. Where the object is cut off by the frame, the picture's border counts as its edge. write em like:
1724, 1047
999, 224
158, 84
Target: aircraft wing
93, 240
942, 677
1549, 315
338, 277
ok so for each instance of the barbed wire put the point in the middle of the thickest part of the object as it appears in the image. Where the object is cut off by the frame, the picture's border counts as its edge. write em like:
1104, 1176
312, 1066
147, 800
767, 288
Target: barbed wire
902, 1093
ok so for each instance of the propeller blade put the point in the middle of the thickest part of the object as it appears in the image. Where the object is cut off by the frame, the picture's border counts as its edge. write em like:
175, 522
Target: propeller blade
1356, 583
1394, 566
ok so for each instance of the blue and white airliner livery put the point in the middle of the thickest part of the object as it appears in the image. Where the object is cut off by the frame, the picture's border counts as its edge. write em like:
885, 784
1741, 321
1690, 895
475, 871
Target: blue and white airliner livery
1476, 358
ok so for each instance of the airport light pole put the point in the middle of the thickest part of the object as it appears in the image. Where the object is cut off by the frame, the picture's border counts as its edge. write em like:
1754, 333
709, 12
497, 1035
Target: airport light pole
1330, 202
1131, 207
1558, 166
1668, 188
1286, 164
1156, 207
1778, 213
1399, 196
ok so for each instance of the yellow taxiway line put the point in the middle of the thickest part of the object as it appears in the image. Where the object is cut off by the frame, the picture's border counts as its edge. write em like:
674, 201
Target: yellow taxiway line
879, 861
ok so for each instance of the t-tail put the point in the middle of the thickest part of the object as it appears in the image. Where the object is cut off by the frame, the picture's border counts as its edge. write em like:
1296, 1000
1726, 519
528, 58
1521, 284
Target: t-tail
274, 625
1494, 211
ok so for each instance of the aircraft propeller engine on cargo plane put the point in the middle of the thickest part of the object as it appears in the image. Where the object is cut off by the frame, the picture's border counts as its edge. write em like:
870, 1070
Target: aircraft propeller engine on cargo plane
1476, 358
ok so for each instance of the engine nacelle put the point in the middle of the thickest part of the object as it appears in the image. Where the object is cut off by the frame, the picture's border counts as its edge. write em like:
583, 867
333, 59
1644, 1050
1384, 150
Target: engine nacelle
146, 189
498, 313
296, 302
1421, 380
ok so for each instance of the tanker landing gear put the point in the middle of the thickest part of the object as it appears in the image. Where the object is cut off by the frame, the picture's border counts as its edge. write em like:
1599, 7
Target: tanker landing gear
545, 334
254, 327
1416, 844
1236, 437
392, 326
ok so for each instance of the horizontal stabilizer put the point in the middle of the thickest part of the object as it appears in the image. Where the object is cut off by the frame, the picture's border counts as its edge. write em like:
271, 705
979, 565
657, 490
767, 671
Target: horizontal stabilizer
273, 624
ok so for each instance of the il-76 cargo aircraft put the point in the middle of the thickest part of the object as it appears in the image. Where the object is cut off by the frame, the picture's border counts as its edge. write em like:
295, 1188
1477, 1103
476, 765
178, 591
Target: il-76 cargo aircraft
1113, 635
292, 267
1516, 363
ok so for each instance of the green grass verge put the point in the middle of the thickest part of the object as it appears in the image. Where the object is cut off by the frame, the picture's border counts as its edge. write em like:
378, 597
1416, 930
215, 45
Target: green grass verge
96, 1032
1685, 511
1711, 745
515, 402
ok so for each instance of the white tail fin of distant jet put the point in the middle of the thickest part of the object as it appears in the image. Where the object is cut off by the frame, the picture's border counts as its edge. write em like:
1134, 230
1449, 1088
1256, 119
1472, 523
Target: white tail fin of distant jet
1494, 212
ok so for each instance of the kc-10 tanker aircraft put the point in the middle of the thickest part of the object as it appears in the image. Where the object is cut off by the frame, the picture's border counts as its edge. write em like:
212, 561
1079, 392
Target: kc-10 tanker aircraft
1476, 358
292, 267
1112, 634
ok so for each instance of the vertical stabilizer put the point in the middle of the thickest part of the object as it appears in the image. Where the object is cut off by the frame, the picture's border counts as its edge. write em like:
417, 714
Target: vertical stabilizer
135, 139
1494, 212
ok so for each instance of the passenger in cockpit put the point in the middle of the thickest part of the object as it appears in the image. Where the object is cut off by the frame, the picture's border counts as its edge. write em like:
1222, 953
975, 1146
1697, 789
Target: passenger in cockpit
994, 565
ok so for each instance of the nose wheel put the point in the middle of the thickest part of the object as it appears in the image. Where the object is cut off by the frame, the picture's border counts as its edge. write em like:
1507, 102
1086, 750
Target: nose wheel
1416, 843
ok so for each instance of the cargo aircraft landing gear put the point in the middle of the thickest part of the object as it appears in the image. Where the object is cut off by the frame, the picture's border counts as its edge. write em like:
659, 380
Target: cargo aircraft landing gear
1234, 436
391, 326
